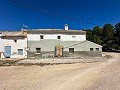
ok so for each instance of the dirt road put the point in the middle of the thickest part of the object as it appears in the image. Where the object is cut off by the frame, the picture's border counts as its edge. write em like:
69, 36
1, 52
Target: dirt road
81, 76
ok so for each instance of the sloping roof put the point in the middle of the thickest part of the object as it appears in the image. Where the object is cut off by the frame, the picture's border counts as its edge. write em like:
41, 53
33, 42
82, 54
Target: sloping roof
69, 32
94, 43
12, 35
11, 32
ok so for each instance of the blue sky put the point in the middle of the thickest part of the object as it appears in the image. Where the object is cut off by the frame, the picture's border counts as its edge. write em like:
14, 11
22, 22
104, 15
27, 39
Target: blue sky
100, 12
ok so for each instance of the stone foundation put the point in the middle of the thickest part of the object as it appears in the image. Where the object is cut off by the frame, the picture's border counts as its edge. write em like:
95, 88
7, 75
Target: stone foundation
66, 54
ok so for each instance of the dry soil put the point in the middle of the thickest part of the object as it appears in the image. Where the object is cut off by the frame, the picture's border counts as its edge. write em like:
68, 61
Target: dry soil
80, 76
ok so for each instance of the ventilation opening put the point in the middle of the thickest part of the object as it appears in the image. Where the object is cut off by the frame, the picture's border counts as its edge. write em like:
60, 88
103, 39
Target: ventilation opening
71, 50
38, 50
58, 37
15, 41
97, 49
91, 49
41, 37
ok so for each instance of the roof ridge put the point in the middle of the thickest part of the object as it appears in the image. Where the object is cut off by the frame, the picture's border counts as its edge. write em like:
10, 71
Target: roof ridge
54, 30
70, 32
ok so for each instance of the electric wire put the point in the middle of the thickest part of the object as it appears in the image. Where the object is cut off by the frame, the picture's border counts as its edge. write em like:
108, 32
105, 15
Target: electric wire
52, 13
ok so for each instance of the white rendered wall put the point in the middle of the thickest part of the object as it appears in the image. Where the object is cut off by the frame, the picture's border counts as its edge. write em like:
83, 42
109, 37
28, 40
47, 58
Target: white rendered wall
0, 43
20, 44
36, 37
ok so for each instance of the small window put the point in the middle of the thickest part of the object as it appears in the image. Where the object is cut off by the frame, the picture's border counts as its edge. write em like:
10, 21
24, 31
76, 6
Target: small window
73, 36
20, 51
58, 37
97, 49
41, 37
91, 49
38, 50
15, 41
71, 50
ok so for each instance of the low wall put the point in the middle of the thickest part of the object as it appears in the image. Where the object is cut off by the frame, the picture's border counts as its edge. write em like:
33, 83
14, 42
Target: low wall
66, 54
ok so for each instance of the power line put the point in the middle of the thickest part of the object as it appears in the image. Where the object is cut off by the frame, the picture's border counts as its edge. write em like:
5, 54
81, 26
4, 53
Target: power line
52, 13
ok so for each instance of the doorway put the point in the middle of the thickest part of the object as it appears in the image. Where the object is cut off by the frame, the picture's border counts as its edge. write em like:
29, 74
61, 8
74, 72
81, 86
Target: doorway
7, 51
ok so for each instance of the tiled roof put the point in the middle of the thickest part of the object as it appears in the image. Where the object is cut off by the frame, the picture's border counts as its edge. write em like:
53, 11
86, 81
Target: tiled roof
69, 32
12, 35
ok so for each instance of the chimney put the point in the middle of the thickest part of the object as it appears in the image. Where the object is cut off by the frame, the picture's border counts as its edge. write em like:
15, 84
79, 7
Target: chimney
24, 32
0, 33
66, 27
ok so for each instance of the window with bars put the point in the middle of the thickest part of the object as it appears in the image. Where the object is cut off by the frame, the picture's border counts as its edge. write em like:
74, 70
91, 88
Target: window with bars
41, 37
38, 50
71, 50
73, 36
97, 49
58, 37
20, 51
91, 49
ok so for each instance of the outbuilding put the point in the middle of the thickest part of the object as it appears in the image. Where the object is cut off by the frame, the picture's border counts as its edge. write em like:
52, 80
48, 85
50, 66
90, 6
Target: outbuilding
13, 44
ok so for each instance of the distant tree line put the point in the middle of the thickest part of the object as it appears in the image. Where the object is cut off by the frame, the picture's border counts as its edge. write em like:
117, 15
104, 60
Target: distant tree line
108, 36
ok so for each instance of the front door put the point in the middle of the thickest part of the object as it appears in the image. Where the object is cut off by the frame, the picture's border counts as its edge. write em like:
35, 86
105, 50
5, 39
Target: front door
7, 51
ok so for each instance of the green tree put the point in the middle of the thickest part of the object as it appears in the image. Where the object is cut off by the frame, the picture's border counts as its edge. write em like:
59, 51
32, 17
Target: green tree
97, 31
94, 35
89, 34
117, 36
107, 36
96, 39
108, 31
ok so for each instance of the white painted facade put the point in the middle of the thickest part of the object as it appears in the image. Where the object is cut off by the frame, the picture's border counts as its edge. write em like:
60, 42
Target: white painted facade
15, 45
63, 37
1, 43
20, 44
65, 27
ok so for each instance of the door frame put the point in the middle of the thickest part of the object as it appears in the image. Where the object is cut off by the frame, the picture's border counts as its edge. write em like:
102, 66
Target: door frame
7, 54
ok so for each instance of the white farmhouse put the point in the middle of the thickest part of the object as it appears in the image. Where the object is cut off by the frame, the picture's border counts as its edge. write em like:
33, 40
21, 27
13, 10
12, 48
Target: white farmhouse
41, 43
13, 45
60, 42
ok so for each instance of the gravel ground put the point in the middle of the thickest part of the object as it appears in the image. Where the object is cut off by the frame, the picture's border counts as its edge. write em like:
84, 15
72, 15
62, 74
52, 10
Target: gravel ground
58, 60
79, 76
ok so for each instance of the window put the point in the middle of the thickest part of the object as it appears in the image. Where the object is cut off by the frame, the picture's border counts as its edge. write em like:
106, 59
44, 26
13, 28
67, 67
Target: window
20, 51
97, 49
58, 37
91, 49
73, 36
71, 50
15, 41
38, 50
41, 37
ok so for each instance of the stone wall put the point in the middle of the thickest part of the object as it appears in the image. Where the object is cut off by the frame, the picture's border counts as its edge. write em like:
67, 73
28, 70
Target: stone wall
49, 45
66, 54
81, 49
